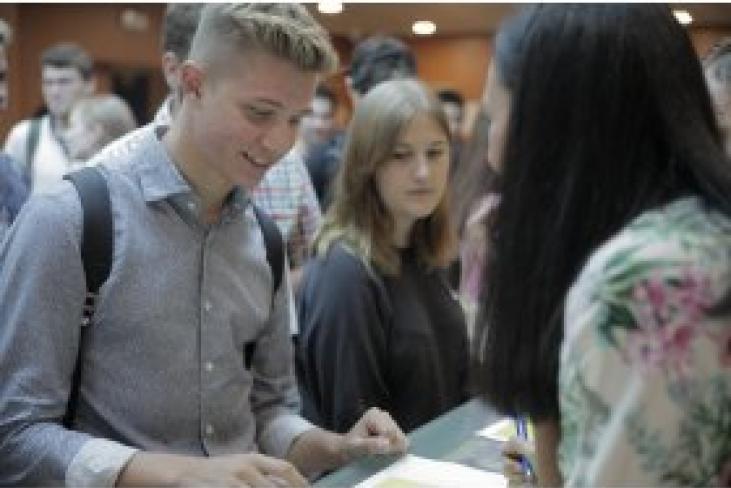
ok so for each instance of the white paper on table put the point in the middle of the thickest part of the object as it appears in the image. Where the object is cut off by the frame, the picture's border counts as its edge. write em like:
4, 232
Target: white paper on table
502, 430
417, 472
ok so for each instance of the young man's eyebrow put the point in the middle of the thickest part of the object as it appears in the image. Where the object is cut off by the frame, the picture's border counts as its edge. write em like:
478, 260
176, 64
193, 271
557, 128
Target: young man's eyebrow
269, 101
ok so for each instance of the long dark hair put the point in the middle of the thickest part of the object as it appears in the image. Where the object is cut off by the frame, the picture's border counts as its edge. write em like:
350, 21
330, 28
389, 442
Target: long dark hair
610, 117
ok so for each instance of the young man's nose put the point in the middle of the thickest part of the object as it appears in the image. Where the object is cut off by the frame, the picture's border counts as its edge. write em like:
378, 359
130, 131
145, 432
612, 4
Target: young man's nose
52, 88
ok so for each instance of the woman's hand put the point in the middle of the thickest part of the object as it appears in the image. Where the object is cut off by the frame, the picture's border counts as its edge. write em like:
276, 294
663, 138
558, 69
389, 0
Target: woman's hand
513, 451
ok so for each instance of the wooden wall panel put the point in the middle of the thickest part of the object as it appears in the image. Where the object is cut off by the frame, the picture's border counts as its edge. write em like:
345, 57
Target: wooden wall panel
458, 62
96, 27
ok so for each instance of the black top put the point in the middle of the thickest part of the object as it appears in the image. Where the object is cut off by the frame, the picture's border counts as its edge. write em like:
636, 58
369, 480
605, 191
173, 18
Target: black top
398, 343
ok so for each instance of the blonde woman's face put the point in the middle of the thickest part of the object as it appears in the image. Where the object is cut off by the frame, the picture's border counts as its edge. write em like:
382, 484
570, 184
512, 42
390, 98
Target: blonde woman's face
411, 183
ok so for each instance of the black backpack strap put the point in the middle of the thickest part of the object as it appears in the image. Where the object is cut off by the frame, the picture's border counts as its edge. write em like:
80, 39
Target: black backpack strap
96, 254
274, 246
31, 145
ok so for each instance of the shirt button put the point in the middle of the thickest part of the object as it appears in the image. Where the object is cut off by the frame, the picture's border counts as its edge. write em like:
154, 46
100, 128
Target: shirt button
209, 429
207, 306
209, 366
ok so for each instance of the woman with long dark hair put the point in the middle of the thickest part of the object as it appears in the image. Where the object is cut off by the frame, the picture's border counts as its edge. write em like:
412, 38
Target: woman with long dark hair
606, 314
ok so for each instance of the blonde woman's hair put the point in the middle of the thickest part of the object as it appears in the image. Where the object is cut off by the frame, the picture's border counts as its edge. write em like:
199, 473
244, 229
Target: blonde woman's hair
357, 216
284, 30
109, 112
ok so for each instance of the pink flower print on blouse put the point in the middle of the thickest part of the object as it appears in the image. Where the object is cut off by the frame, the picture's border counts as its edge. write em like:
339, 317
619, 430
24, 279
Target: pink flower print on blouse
668, 313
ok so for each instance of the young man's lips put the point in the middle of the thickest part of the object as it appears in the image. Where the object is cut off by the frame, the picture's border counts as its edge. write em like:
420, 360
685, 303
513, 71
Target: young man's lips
254, 161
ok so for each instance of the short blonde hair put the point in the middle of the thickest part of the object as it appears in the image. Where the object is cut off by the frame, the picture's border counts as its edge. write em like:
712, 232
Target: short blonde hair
358, 216
284, 30
110, 112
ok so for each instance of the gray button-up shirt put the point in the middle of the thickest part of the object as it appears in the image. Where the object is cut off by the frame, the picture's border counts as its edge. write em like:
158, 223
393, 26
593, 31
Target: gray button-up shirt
164, 364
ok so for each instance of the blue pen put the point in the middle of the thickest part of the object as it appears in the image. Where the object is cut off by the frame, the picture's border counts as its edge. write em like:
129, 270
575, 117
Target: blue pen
522, 427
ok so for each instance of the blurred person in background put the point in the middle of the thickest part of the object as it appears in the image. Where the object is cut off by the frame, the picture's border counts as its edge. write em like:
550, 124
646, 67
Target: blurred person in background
607, 313
717, 68
318, 126
453, 105
13, 191
37, 145
178, 27
377, 318
375, 59
474, 182
96, 121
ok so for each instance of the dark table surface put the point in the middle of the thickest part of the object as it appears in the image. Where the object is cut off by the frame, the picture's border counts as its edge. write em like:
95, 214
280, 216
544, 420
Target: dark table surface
450, 437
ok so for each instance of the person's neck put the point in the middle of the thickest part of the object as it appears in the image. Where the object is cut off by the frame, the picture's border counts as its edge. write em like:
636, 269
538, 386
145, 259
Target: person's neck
211, 189
300, 148
402, 233
59, 123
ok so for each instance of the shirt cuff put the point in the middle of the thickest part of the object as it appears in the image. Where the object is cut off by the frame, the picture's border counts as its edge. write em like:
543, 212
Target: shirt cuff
98, 463
281, 432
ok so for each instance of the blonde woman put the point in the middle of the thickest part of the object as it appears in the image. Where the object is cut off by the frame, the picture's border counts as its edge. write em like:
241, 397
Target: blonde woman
94, 122
378, 324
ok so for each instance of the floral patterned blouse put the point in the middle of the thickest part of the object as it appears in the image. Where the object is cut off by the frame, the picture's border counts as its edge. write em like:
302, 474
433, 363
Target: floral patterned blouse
645, 371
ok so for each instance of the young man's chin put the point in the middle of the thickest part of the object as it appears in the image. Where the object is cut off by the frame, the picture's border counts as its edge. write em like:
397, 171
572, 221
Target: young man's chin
250, 181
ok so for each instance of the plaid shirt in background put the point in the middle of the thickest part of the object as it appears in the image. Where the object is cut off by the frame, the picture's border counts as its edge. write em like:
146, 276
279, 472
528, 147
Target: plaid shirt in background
286, 194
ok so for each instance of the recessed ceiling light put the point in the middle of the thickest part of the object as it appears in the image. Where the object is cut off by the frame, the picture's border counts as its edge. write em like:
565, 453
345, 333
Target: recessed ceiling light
328, 7
683, 16
134, 20
424, 28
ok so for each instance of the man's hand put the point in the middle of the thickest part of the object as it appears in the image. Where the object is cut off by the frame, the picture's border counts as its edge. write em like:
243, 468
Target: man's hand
239, 470
318, 450
375, 433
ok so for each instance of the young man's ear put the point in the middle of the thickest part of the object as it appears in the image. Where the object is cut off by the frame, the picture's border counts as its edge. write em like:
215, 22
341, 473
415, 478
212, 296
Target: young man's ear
191, 79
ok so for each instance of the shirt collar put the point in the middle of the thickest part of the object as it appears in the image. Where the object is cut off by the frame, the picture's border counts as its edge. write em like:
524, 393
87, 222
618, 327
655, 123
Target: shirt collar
160, 179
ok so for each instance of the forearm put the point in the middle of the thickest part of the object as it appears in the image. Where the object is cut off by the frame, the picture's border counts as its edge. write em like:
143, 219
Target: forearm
317, 450
547, 440
375, 433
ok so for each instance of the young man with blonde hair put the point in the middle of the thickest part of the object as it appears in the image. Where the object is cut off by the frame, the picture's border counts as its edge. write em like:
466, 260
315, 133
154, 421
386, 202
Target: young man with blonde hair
186, 371
285, 193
